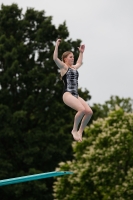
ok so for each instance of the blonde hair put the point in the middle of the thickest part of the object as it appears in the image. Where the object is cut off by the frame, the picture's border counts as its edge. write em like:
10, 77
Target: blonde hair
65, 54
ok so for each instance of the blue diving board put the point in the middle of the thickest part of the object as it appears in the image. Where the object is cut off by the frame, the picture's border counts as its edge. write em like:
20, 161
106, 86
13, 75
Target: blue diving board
33, 177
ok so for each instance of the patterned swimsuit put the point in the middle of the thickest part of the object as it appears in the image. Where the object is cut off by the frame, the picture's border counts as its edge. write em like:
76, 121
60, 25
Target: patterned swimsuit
70, 80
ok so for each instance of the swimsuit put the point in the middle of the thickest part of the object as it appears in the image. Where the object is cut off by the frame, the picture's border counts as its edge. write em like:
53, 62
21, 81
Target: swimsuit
70, 80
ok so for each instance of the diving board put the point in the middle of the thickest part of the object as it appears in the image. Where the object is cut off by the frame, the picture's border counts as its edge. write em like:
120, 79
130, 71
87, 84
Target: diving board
33, 177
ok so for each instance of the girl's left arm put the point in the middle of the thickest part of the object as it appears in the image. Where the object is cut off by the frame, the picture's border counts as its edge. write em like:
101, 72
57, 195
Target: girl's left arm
80, 58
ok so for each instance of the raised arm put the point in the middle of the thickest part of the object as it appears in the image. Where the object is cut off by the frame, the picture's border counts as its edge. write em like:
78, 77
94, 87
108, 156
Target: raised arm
80, 58
58, 62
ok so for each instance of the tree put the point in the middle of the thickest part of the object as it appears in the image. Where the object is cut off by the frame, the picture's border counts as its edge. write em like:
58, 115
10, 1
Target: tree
101, 111
103, 163
35, 124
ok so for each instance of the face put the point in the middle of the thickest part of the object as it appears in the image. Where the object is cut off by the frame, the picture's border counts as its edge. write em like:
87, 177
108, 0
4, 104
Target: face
69, 59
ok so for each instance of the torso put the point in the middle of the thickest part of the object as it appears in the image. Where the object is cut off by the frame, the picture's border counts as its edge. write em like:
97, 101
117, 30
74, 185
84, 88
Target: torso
64, 70
70, 80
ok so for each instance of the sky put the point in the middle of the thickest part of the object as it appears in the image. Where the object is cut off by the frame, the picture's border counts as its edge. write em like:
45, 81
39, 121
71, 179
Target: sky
106, 29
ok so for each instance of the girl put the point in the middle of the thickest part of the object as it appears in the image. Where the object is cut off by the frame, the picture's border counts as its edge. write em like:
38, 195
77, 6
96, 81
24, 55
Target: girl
71, 98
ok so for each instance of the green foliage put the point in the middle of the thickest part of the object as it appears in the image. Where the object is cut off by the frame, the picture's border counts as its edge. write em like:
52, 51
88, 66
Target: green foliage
35, 124
103, 162
101, 111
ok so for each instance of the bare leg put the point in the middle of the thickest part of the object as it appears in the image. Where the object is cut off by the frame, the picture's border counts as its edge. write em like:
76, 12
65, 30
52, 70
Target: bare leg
79, 115
74, 103
86, 118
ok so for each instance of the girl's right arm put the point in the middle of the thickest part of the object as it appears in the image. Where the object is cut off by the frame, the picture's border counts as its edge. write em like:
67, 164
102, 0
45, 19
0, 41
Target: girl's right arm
58, 62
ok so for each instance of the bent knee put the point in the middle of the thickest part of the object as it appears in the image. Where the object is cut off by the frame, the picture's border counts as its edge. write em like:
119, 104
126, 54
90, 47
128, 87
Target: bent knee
82, 110
89, 112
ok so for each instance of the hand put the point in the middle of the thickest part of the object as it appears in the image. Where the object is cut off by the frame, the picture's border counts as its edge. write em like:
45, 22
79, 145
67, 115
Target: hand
58, 42
81, 48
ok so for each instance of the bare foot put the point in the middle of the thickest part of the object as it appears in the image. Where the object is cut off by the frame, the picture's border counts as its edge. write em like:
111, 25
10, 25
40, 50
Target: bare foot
80, 135
75, 135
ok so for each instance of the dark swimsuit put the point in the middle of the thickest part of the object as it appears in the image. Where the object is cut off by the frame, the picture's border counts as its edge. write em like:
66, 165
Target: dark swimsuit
70, 80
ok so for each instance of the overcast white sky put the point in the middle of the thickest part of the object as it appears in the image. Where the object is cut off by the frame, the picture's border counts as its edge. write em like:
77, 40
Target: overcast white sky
106, 28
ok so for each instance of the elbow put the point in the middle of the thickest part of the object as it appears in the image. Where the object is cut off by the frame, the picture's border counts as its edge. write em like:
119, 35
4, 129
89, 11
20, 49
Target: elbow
54, 57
